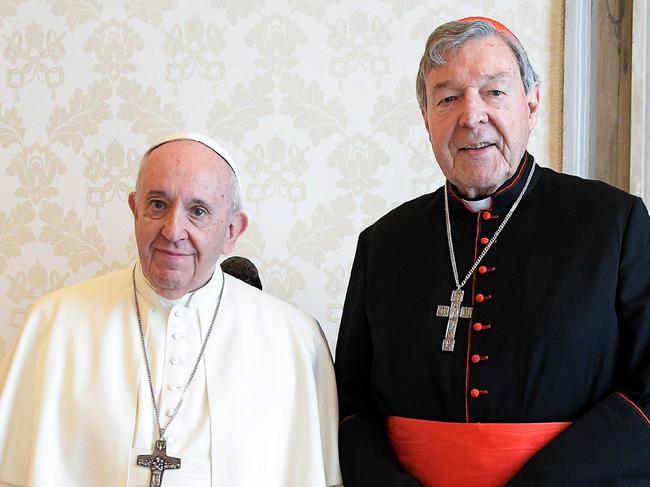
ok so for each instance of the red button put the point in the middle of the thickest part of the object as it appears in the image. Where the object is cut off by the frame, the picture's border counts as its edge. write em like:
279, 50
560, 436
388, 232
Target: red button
482, 269
487, 215
476, 358
479, 298
477, 392
484, 240
480, 326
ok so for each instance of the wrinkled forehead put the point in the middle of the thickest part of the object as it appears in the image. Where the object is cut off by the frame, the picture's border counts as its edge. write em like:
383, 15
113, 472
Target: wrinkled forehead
491, 45
488, 57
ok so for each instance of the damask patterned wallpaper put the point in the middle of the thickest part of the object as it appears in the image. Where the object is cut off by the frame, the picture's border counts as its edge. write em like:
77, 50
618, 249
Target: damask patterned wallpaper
314, 98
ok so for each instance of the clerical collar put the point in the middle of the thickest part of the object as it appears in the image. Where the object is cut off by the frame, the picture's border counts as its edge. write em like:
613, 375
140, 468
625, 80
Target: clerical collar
204, 296
499, 201
478, 205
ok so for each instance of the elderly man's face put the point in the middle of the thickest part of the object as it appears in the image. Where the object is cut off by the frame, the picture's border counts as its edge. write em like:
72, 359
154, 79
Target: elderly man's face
183, 218
478, 115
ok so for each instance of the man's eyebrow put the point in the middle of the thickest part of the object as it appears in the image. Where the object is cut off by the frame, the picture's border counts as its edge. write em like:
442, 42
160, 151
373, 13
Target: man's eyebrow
485, 78
156, 193
159, 193
441, 86
200, 202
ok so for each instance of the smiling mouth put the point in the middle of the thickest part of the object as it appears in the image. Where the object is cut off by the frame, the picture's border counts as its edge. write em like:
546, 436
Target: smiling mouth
171, 253
481, 145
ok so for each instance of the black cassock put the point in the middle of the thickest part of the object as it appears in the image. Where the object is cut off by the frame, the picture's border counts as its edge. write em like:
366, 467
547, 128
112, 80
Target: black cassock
567, 288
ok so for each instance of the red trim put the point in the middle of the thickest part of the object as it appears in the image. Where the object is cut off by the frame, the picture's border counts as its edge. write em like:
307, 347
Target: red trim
637, 408
468, 354
456, 196
520, 172
471, 321
514, 181
467, 207
347, 419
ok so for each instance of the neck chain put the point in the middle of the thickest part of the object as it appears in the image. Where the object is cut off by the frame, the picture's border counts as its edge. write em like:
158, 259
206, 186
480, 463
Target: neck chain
161, 430
158, 462
455, 310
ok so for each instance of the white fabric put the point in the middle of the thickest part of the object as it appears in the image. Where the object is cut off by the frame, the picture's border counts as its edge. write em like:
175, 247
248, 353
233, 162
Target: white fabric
69, 392
478, 205
174, 339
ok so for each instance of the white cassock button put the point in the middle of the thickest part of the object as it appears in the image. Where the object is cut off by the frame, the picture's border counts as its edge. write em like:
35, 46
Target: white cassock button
177, 335
174, 387
169, 413
180, 312
176, 361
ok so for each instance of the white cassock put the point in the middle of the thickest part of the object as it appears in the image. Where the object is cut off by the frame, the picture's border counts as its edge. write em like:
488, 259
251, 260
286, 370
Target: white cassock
75, 407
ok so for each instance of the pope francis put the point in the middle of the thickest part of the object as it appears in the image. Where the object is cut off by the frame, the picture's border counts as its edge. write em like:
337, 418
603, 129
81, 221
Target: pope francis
170, 372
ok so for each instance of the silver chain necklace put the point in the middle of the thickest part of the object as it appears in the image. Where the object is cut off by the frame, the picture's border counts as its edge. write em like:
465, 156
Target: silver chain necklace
455, 311
158, 461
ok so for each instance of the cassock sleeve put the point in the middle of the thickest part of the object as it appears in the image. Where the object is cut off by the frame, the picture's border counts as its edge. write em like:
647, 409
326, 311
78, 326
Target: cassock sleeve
610, 444
367, 459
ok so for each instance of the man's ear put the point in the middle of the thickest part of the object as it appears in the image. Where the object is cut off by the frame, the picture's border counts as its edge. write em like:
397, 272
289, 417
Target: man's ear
238, 225
533, 105
132, 204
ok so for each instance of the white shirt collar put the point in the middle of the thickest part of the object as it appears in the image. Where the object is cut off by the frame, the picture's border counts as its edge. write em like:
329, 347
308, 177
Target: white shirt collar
477, 205
203, 296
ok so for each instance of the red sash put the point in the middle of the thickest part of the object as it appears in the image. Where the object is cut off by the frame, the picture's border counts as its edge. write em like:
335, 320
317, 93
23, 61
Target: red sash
442, 454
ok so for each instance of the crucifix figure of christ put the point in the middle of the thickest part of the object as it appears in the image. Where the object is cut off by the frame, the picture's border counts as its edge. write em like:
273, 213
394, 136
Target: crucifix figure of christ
452, 313
158, 462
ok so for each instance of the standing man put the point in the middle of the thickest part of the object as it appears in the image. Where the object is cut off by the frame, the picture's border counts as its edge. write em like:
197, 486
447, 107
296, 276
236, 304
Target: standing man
170, 372
497, 331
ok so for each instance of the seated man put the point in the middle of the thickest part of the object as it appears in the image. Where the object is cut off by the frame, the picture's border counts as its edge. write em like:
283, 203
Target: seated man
170, 372
497, 331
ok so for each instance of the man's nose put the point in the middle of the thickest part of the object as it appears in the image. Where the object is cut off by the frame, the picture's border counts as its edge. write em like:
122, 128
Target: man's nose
473, 111
175, 225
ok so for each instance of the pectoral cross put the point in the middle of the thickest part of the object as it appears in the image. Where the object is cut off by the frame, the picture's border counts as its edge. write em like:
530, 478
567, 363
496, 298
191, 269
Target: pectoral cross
158, 462
453, 312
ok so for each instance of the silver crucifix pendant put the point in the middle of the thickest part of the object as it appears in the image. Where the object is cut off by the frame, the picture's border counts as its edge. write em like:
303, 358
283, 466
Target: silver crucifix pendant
158, 462
453, 312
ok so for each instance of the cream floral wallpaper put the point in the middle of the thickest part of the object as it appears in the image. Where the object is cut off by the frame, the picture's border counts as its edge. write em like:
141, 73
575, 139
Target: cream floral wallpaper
314, 98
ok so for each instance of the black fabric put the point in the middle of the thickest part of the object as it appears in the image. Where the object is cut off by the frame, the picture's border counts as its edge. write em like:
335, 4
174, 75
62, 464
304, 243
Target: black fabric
570, 330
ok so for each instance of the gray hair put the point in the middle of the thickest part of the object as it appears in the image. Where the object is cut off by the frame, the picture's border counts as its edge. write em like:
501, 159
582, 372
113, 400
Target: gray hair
451, 36
235, 189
